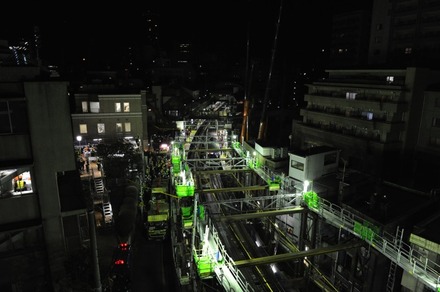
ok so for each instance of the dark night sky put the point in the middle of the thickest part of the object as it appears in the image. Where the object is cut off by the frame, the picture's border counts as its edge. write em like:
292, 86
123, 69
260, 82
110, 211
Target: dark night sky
69, 33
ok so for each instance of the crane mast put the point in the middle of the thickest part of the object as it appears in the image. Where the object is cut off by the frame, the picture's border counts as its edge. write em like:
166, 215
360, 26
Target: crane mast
244, 125
263, 119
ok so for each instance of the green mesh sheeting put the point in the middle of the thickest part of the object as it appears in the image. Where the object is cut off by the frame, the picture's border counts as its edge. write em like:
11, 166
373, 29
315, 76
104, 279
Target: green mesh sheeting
185, 191
186, 211
205, 266
190, 191
201, 212
187, 218
175, 159
273, 185
311, 199
365, 230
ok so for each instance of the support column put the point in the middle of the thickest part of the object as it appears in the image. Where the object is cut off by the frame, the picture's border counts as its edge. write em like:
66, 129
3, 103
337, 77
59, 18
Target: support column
94, 247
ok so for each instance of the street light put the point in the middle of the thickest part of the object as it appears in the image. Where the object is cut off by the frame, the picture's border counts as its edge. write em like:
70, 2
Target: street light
79, 139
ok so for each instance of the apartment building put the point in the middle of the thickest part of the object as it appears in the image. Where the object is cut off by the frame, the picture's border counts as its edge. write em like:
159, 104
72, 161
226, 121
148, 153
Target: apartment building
380, 120
372, 116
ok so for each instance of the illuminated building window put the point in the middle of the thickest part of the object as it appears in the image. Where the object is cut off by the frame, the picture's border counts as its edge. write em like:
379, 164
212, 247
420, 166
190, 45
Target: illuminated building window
408, 51
22, 183
128, 127
117, 107
85, 107
118, 127
94, 107
126, 107
367, 115
297, 165
101, 128
350, 95
83, 128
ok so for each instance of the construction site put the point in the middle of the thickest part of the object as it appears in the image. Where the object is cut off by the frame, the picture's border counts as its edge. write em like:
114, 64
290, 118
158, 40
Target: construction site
238, 225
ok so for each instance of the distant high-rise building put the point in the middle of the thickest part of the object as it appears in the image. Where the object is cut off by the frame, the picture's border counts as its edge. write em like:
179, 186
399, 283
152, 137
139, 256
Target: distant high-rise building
350, 38
152, 45
386, 34
405, 33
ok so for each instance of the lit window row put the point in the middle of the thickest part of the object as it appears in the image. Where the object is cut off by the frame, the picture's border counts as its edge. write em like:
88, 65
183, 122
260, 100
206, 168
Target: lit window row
101, 128
122, 105
94, 107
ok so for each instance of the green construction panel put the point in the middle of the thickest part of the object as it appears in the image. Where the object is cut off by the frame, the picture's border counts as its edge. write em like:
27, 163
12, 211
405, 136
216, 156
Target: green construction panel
186, 211
201, 212
204, 265
190, 191
181, 190
274, 186
357, 228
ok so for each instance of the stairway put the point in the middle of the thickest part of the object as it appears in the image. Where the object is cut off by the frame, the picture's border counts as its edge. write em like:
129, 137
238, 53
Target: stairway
99, 185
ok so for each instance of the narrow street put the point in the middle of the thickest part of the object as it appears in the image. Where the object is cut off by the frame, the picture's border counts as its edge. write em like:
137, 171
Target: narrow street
151, 263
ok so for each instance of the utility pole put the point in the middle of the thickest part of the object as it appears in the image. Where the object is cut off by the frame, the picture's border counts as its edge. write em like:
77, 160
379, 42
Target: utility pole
263, 122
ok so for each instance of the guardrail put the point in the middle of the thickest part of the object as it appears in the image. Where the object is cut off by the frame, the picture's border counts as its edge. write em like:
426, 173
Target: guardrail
393, 248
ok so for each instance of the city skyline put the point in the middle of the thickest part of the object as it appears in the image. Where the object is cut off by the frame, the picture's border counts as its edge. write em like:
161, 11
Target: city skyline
69, 35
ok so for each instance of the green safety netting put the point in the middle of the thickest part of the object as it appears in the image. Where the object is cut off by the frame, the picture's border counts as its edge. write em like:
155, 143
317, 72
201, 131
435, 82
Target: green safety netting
365, 230
274, 183
185, 190
205, 266
175, 159
311, 199
201, 212
187, 216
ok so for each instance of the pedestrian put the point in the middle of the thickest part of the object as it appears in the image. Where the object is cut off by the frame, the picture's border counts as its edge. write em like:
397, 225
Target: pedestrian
87, 154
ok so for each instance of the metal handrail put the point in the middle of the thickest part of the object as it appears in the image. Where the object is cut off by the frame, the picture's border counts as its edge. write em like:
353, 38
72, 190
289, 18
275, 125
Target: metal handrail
393, 248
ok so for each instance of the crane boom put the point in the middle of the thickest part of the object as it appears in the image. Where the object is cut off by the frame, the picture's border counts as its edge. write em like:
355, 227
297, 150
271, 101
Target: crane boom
263, 119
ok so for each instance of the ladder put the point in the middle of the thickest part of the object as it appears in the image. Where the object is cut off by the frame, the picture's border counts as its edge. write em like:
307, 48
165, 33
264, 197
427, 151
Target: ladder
393, 265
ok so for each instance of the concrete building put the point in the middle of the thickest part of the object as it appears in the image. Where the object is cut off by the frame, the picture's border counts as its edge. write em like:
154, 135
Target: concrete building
100, 117
45, 223
372, 116
381, 121
405, 33
349, 40
313, 163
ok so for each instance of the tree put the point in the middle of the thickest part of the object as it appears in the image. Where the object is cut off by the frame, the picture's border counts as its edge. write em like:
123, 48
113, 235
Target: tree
118, 159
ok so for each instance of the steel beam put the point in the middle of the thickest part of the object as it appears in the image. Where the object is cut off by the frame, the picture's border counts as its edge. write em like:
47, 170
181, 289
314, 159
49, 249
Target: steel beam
292, 256
252, 215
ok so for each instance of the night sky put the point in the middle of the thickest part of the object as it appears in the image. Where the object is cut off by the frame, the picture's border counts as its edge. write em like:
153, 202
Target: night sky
70, 32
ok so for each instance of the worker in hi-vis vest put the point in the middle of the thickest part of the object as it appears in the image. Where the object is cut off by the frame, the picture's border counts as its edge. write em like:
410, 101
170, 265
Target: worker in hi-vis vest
20, 184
